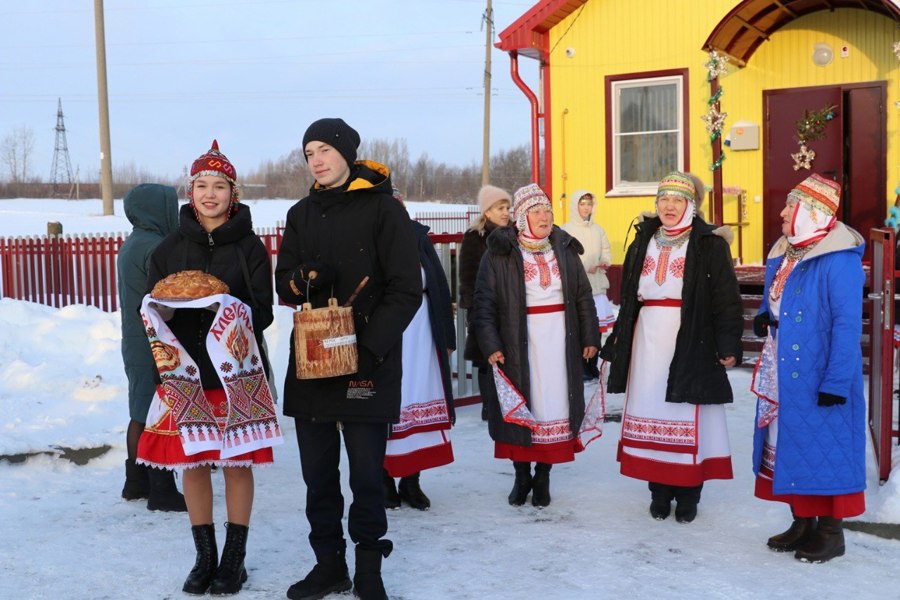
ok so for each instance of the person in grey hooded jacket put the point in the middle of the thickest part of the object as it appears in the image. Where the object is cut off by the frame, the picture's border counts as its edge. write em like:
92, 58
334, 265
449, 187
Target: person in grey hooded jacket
152, 209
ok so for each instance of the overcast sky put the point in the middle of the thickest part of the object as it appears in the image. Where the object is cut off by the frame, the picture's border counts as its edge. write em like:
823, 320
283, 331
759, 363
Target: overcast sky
254, 74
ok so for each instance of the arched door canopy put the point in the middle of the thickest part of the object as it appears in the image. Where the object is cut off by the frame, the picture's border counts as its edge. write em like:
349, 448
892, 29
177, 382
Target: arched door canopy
752, 22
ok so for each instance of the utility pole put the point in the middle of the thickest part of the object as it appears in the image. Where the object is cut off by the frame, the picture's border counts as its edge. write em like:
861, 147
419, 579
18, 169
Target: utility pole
489, 37
106, 182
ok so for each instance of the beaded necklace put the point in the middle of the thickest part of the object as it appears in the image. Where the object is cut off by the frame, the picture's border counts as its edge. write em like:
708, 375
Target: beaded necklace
792, 256
666, 244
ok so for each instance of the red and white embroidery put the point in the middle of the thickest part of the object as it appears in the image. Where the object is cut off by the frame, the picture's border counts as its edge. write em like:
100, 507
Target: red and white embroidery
677, 268
649, 266
679, 433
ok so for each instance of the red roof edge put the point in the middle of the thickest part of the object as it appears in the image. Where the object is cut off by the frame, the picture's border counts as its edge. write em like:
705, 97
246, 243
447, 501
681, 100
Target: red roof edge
527, 34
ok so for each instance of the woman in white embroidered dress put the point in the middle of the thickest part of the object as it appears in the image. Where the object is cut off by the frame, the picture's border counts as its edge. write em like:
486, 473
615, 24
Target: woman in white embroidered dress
535, 319
679, 327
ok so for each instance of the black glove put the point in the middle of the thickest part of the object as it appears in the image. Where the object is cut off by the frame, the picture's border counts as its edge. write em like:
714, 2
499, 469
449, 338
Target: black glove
362, 385
826, 399
323, 275
761, 324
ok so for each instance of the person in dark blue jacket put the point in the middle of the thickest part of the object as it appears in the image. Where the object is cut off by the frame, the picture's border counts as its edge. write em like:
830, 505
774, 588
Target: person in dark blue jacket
809, 442
421, 439
152, 209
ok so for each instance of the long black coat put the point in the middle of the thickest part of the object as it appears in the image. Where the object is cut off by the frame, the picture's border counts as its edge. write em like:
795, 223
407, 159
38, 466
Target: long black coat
440, 309
500, 323
711, 318
217, 253
354, 231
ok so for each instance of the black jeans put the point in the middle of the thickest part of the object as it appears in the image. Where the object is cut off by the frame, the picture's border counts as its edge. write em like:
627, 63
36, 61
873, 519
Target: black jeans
320, 453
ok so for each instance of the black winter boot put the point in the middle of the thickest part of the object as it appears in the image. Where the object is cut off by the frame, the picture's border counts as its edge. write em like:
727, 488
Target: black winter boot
391, 497
826, 542
798, 534
328, 576
540, 485
201, 575
522, 484
367, 582
687, 500
231, 574
661, 497
137, 481
412, 493
164, 495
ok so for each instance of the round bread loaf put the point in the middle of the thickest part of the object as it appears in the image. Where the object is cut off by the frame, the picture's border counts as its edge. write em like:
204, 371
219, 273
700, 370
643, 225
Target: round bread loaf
188, 285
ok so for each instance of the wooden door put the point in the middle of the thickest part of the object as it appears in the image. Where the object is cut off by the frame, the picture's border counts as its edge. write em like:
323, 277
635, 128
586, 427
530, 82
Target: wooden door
782, 109
864, 201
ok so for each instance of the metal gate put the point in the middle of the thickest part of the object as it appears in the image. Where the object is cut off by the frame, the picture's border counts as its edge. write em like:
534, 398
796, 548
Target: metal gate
881, 374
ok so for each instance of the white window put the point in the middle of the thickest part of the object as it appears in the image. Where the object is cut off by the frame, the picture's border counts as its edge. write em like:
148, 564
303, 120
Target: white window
647, 136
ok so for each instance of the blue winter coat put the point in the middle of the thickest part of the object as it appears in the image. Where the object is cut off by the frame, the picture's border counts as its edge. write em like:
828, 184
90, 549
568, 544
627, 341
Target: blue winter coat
820, 449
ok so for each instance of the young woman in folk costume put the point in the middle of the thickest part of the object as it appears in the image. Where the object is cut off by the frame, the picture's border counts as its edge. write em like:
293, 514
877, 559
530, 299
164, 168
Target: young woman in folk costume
214, 235
596, 259
420, 440
809, 445
679, 327
535, 319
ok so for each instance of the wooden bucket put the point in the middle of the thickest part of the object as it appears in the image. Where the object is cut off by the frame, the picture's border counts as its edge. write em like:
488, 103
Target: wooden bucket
325, 341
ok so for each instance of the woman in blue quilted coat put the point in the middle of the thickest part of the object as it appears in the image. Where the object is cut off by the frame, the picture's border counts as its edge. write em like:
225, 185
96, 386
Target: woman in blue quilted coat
810, 439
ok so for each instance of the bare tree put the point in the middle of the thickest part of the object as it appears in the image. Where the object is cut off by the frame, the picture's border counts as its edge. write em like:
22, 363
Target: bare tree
15, 151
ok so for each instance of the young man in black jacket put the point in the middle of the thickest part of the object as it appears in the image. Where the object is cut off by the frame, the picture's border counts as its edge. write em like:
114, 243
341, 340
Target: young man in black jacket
348, 228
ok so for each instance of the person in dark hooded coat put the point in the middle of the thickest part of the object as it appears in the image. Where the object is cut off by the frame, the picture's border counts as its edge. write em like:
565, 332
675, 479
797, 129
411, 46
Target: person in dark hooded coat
152, 209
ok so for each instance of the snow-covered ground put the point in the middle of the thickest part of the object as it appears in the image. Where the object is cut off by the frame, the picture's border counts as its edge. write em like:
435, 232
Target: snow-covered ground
66, 533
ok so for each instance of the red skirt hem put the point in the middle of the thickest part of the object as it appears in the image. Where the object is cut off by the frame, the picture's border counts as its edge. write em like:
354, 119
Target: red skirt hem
403, 465
560, 452
838, 506
672, 473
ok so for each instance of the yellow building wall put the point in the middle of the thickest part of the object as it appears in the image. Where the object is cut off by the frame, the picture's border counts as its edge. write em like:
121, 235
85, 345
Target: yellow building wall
611, 37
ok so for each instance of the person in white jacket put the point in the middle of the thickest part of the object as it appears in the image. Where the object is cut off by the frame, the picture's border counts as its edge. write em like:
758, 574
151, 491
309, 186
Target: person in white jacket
596, 259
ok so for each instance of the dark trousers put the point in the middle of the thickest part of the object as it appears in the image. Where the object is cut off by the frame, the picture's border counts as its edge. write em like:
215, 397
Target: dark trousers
690, 495
320, 453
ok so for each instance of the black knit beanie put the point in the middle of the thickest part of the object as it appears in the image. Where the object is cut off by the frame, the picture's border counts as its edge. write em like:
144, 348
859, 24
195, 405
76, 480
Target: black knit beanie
336, 133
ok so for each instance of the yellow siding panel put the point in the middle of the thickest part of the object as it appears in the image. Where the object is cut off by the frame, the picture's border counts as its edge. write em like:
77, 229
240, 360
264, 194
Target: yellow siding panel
610, 37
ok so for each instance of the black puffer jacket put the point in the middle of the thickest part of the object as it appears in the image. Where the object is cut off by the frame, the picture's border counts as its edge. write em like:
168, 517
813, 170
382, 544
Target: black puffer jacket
711, 318
218, 253
346, 234
500, 323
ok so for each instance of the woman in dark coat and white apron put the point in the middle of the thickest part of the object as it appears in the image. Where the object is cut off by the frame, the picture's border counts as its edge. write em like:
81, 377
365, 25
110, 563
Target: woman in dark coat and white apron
535, 319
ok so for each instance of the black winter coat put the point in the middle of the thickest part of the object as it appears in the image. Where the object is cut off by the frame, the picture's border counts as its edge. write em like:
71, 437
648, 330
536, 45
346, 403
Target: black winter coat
217, 253
472, 248
440, 309
500, 323
711, 318
346, 234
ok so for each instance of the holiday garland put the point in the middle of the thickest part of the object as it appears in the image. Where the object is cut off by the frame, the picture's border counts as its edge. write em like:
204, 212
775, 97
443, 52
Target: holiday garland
809, 129
714, 118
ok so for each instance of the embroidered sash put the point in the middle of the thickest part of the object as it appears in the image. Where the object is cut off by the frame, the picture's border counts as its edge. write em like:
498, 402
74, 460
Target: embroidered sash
252, 423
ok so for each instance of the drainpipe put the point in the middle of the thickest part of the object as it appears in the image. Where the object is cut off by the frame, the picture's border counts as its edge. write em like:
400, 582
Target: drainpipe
535, 115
